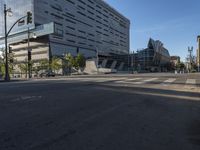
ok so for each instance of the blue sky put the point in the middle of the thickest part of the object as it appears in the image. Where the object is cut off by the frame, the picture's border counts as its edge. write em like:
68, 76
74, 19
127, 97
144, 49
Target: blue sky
175, 22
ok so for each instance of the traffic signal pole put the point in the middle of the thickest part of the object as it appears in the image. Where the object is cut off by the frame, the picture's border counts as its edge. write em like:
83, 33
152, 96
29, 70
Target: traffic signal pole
29, 56
29, 21
7, 77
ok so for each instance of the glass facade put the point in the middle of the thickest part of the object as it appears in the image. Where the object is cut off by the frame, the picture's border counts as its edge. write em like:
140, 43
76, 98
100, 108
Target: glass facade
19, 9
155, 56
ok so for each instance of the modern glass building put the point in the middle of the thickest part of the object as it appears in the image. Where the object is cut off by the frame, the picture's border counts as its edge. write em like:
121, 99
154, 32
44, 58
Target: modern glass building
154, 58
90, 27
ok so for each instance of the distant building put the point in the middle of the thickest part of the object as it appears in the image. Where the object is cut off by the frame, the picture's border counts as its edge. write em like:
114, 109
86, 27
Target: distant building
198, 53
154, 58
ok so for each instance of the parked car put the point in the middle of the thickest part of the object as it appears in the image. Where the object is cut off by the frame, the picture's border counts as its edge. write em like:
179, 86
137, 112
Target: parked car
47, 74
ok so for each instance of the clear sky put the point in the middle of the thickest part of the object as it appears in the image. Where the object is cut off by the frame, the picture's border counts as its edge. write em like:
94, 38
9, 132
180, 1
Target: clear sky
174, 22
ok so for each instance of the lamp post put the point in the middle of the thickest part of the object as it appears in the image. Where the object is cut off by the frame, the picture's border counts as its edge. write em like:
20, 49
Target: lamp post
9, 13
190, 50
132, 62
128, 66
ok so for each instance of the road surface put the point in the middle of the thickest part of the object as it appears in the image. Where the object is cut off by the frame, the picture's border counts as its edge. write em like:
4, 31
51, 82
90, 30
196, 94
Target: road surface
134, 112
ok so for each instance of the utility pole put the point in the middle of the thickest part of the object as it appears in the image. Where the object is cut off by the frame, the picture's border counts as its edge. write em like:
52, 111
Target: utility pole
132, 61
29, 21
128, 61
190, 50
9, 13
7, 77
29, 55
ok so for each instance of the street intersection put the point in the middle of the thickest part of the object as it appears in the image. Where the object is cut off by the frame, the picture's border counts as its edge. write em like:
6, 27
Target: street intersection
114, 112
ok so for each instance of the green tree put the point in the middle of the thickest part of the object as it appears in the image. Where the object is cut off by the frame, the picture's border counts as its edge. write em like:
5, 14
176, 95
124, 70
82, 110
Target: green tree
23, 68
11, 64
2, 68
43, 64
56, 64
80, 61
68, 63
180, 66
75, 62
69, 60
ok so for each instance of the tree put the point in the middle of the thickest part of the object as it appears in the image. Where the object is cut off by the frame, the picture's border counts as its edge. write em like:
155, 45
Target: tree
23, 68
76, 62
68, 63
43, 64
80, 61
180, 66
56, 64
2, 67
11, 63
69, 60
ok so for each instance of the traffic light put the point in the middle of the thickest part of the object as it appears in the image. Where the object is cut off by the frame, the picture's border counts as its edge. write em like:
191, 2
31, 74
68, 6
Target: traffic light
29, 17
10, 49
29, 56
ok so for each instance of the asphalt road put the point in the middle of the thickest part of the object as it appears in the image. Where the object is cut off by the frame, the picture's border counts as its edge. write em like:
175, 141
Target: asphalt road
101, 113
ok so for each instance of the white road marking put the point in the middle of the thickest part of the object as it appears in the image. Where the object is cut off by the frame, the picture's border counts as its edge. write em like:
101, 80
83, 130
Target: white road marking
128, 80
145, 81
149, 80
168, 81
133, 79
98, 80
190, 84
191, 81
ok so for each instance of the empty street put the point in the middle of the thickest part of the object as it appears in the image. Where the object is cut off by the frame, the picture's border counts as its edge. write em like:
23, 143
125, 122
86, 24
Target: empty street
108, 112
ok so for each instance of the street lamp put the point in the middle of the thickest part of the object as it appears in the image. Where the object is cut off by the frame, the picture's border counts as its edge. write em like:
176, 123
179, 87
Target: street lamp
132, 66
9, 13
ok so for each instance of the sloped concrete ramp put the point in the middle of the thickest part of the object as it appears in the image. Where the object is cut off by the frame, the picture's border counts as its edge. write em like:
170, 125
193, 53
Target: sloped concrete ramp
91, 68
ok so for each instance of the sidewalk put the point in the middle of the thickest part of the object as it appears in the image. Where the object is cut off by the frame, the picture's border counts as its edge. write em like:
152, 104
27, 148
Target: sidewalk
13, 80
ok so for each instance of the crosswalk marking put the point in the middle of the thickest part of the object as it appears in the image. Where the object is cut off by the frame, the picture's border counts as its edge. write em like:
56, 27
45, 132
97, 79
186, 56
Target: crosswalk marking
147, 80
168, 81
137, 81
191, 81
190, 84
128, 80
133, 79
